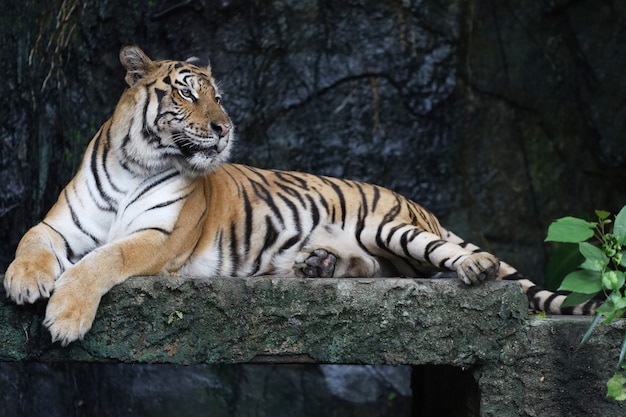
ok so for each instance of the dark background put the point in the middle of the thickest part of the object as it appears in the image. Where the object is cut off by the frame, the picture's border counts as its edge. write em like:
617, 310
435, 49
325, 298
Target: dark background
498, 115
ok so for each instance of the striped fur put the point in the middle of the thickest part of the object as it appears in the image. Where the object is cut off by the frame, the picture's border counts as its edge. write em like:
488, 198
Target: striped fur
154, 195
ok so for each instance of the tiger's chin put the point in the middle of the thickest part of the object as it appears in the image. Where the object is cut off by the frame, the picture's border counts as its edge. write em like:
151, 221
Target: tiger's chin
198, 159
203, 161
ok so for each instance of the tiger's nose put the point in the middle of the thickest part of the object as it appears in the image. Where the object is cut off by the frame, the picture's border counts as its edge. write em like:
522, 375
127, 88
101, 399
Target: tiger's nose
221, 129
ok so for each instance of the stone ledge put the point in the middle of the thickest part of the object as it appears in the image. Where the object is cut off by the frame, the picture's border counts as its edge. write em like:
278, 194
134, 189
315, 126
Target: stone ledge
524, 366
226, 320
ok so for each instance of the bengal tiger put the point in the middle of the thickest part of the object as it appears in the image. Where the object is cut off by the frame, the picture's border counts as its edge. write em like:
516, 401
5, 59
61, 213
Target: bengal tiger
154, 195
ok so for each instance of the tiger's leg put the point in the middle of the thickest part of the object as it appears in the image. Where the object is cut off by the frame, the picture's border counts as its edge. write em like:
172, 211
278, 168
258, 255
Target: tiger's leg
330, 252
539, 299
36, 266
320, 264
327, 261
430, 251
73, 304
150, 251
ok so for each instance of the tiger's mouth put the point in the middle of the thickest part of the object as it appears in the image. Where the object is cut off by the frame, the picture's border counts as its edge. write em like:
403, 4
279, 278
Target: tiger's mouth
190, 150
201, 155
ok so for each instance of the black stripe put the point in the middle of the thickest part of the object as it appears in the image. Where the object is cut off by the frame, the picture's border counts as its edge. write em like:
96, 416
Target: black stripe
389, 217
111, 203
315, 213
167, 203
298, 226
393, 231
442, 264
548, 301
342, 200
156, 229
325, 204
515, 276
292, 179
532, 291
376, 197
251, 170
248, 217
408, 239
364, 204
234, 249
360, 226
431, 247
94, 196
292, 192
152, 185
262, 193
220, 251
456, 259
590, 306
533, 299
76, 220
69, 253
404, 243
106, 148
290, 243
294, 209
271, 234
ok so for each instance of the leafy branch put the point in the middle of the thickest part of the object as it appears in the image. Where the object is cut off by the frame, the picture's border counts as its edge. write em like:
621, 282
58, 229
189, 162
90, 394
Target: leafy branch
602, 273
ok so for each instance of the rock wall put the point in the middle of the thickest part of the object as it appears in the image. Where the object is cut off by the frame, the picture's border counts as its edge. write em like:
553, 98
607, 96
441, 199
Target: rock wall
499, 117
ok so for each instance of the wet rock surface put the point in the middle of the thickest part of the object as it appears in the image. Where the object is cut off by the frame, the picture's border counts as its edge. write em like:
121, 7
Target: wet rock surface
519, 366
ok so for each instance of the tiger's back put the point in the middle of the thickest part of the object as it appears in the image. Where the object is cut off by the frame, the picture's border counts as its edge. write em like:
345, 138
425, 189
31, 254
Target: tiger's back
276, 217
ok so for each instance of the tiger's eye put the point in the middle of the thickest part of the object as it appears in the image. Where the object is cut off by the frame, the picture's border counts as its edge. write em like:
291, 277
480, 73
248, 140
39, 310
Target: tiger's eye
185, 93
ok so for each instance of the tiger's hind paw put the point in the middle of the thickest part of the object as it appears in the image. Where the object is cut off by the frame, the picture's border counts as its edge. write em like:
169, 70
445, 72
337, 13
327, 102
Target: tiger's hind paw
478, 267
319, 264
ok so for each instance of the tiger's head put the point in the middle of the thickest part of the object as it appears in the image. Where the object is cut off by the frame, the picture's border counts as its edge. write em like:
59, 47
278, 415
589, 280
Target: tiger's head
174, 115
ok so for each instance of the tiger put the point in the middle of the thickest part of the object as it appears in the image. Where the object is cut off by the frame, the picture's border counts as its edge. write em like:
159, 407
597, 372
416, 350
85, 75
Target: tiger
156, 195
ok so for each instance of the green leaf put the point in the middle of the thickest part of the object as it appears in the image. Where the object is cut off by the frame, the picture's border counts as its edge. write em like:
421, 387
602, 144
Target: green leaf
595, 259
615, 387
619, 227
622, 353
565, 259
609, 309
583, 281
577, 298
619, 302
602, 214
592, 326
570, 229
623, 260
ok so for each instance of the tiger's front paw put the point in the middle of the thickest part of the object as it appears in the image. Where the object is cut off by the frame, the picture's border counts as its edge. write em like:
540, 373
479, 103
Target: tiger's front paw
28, 280
478, 267
319, 264
70, 314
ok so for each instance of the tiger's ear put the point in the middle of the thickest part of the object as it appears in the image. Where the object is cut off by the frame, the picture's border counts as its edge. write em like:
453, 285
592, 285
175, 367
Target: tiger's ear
201, 61
136, 62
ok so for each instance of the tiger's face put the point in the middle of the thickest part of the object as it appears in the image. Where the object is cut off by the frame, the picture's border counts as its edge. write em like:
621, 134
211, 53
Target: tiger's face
183, 120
